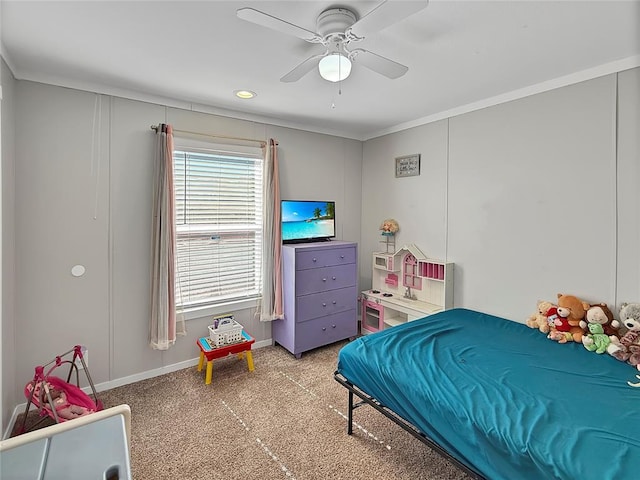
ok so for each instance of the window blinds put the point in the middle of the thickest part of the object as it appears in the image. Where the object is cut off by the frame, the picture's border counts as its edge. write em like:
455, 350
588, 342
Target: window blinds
218, 194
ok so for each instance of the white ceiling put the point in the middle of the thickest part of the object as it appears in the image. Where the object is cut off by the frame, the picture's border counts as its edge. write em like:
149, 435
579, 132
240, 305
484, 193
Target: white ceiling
461, 55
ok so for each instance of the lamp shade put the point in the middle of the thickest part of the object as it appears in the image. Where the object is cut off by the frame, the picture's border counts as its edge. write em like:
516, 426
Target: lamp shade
334, 67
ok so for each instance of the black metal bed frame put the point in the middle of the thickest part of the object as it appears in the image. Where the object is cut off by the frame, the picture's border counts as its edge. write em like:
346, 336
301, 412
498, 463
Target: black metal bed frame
367, 399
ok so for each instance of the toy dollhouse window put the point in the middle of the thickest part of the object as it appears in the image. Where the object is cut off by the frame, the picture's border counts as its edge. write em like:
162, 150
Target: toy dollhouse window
410, 276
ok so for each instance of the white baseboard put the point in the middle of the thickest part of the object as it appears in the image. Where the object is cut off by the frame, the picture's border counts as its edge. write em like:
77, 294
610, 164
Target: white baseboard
100, 387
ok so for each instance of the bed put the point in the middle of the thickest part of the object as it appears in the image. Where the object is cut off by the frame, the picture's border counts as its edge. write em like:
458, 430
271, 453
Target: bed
499, 399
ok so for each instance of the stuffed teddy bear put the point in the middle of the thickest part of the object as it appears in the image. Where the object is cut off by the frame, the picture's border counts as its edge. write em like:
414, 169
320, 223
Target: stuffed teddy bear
539, 319
558, 326
627, 348
596, 340
570, 311
601, 314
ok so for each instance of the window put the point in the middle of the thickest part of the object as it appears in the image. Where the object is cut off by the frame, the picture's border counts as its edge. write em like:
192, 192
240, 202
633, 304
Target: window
410, 277
218, 194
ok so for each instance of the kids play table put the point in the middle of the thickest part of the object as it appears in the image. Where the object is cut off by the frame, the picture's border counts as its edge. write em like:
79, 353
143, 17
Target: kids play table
212, 353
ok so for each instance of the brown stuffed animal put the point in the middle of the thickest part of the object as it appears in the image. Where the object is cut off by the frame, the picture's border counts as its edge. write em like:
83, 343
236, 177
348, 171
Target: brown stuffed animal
601, 314
573, 310
539, 319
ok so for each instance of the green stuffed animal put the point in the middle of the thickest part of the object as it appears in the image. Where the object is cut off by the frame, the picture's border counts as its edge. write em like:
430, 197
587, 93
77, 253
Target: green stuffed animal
596, 340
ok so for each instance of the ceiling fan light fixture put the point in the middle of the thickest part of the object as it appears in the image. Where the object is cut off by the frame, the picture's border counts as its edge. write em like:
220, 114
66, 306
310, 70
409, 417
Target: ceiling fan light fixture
334, 67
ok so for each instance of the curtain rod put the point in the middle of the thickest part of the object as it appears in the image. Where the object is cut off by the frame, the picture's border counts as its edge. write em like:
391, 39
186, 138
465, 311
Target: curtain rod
261, 142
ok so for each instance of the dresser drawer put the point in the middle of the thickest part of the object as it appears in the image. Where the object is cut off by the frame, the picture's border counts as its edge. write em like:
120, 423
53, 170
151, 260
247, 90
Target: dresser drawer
325, 303
325, 258
325, 330
319, 280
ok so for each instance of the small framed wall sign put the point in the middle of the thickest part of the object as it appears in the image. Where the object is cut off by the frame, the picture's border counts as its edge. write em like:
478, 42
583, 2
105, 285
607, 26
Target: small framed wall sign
408, 166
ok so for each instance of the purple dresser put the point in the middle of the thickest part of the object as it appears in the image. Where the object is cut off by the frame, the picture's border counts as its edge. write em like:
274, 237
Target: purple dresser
320, 295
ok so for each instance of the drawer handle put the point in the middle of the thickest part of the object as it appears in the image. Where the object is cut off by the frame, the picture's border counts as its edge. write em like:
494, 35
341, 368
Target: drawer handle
341, 256
324, 279
324, 304
324, 329
315, 260
333, 278
333, 326
334, 302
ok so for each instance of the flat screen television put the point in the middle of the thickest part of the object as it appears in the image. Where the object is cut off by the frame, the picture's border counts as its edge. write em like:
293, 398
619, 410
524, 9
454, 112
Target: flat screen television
307, 221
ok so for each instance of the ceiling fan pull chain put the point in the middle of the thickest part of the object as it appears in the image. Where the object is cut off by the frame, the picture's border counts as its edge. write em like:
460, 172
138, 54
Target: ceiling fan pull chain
339, 86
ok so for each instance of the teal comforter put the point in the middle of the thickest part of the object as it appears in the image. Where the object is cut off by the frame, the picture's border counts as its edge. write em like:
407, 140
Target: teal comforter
502, 398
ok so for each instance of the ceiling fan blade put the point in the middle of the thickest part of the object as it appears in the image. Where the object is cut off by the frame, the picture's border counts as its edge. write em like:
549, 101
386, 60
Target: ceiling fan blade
385, 14
379, 64
301, 70
256, 16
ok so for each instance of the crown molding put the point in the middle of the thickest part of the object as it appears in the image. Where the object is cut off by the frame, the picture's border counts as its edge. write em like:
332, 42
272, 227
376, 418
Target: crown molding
571, 79
131, 94
577, 77
7, 59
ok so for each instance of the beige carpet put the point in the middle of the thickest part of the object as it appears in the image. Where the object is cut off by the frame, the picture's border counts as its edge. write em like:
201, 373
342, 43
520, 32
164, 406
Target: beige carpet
285, 420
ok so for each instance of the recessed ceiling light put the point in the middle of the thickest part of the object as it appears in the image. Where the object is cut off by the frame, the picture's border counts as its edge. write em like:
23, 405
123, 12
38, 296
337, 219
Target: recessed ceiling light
245, 94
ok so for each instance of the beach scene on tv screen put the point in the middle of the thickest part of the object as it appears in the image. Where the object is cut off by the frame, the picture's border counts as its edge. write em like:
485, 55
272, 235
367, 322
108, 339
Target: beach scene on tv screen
307, 220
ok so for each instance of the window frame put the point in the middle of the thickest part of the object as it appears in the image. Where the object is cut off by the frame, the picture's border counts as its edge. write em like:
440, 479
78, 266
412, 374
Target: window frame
220, 303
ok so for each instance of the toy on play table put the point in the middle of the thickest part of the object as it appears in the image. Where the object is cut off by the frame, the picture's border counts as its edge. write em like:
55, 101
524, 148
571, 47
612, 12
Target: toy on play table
225, 331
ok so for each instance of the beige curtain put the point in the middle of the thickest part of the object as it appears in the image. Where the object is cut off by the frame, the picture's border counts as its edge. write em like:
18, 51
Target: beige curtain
271, 303
164, 324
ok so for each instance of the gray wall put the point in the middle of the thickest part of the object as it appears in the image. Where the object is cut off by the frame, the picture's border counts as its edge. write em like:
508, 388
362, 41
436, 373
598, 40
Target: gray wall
9, 358
628, 187
83, 196
529, 198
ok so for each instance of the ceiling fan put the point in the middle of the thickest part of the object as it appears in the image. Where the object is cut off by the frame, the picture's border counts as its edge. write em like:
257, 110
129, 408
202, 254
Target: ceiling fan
338, 28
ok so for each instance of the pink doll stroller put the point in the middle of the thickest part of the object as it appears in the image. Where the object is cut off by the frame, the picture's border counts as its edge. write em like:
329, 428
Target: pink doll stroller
59, 399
